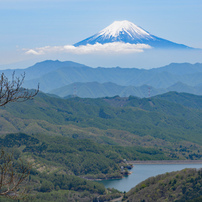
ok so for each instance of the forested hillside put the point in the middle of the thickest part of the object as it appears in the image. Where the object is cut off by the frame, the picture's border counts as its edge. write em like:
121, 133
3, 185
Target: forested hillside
157, 117
68, 141
60, 166
177, 186
167, 123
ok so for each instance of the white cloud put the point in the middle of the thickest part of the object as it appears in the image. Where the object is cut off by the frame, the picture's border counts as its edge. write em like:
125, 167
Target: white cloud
116, 47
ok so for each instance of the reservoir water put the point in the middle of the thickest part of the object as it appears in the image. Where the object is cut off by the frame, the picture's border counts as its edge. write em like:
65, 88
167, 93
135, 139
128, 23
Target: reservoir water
142, 172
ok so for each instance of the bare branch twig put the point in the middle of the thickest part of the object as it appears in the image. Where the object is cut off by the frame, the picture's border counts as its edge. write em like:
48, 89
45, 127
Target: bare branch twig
12, 91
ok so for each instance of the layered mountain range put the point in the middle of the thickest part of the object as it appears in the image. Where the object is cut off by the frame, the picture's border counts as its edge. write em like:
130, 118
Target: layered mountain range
68, 78
95, 90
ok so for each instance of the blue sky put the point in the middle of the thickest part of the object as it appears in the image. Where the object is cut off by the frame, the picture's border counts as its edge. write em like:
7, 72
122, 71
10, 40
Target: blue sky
30, 24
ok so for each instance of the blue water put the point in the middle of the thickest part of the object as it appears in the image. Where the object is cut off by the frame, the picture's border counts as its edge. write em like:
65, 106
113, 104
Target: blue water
142, 172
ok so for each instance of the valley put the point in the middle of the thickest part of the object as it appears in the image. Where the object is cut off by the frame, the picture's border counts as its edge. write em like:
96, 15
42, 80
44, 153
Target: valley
100, 101
72, 141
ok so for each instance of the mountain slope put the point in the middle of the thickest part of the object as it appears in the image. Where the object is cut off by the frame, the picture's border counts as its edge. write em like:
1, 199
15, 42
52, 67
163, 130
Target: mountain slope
42, 68
127, 32
185, 99
180, 68
69, 73
151, 129
158, 118
181, 87
56, 74
95, 90
179, 186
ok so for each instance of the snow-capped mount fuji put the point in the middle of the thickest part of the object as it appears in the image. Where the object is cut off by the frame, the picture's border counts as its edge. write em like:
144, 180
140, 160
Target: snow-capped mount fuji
127, 32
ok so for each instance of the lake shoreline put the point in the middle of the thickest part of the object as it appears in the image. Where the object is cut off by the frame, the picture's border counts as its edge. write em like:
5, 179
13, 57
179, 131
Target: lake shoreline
149, 162
107, 178
141, 172
166, 162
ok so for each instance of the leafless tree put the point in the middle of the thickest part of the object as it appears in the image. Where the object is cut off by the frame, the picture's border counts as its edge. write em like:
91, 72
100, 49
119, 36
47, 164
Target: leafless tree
12, 180
12, 91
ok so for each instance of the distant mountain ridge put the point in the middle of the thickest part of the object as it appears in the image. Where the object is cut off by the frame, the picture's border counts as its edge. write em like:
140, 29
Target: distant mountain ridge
95, 90
56, 74
180, 68
127, 32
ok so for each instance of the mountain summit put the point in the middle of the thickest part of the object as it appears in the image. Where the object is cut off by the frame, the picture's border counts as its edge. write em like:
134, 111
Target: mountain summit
127, 32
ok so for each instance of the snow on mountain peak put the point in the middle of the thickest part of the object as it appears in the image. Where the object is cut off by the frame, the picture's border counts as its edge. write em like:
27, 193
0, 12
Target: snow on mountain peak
124, 27
127, 32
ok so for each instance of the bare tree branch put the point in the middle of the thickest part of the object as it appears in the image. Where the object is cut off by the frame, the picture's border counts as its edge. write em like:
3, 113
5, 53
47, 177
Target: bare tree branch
12, 91
12, 179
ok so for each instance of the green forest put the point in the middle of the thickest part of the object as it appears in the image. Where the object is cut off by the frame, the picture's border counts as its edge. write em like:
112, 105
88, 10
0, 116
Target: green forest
71, 143
177, 186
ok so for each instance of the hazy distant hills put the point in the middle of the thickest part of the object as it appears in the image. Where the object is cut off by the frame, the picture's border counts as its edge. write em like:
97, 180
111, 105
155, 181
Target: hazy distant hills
95, 89
67, 78
180, 68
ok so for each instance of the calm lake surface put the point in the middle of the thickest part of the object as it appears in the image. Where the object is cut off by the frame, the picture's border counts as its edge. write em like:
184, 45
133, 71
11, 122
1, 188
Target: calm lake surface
142, 172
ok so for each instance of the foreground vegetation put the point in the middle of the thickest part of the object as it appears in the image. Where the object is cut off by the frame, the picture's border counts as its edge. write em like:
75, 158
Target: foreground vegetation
171, 122
177, 186
71, 141
57, 167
